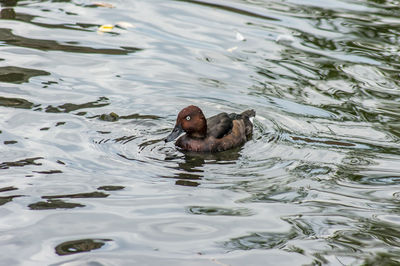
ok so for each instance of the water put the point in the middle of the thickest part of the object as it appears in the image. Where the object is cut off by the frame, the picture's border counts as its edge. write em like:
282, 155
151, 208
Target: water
85, 178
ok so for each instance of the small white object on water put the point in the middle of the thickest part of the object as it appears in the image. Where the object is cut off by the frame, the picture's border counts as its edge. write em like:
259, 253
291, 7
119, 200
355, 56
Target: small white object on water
240, 37
102, 4
284, 38
125, 25
232, 49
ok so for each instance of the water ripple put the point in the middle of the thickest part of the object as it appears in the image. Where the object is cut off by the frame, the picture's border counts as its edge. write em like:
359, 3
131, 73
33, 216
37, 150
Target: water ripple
85, 171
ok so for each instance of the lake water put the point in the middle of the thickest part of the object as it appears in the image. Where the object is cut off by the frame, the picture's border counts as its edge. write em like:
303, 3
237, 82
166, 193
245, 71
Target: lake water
89, 90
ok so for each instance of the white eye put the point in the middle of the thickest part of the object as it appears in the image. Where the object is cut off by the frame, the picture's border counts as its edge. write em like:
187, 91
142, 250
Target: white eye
188, 118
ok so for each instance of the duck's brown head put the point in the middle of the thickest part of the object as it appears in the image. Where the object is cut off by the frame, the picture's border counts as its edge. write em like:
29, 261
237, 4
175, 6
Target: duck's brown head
190, 120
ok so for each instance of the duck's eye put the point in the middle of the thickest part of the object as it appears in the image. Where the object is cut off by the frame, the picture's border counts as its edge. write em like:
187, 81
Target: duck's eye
188, 118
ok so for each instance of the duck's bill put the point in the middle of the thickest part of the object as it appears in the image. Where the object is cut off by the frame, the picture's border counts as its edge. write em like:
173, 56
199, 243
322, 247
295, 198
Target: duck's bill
174, 134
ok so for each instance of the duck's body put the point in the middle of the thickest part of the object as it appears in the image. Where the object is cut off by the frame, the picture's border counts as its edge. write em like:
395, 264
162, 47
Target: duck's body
217, 133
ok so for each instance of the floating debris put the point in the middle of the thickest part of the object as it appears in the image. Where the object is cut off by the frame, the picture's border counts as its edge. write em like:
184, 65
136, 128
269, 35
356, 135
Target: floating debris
240, 37
284, 38
232, 49
125, 25
102, 4
105, 28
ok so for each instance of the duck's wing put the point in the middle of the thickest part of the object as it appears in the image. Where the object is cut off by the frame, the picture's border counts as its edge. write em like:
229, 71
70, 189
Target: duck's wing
219, 125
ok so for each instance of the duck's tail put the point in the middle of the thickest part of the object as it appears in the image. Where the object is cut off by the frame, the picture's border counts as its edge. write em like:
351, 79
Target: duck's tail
245, 116
249, 113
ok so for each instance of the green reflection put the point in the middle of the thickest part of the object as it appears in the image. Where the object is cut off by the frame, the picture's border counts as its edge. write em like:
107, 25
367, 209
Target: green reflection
9, 38
94, 194
112, 117
18, 75
10, 188
6, 199
69, 107
260, 241
15, 103
215, 211
78, 246
111, 188
53, 204
20, 163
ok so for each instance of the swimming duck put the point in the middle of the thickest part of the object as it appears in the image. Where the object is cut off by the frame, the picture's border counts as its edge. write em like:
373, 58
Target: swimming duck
217, 133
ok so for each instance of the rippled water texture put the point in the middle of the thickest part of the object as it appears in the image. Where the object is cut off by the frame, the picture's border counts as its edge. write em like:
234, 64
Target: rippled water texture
89, 90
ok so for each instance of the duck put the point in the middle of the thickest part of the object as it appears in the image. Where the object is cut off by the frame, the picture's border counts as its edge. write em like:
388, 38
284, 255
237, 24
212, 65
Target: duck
217, 133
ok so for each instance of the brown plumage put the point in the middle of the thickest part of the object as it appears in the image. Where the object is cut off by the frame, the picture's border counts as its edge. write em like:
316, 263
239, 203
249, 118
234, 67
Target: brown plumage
217, 133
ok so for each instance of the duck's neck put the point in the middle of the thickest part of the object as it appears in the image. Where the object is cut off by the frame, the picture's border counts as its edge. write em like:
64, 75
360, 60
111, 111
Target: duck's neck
201, 133
198, 135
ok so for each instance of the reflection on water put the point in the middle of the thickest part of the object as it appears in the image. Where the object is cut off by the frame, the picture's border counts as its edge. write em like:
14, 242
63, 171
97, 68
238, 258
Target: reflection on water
8, 37
260, 241
84, 112
19, 163
94, 194
69, 107
206, 210
15, 102
77, 246
53, 204
19, 75
190, 168
4, 200
110, 188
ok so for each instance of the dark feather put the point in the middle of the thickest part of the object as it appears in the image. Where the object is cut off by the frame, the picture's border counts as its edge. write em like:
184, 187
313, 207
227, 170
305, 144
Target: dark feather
246, 118
219, 125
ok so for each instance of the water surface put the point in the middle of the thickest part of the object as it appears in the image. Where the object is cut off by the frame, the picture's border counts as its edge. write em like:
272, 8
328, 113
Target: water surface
86, 179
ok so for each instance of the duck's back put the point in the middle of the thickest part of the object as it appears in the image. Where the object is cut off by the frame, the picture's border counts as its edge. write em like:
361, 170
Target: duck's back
219, 125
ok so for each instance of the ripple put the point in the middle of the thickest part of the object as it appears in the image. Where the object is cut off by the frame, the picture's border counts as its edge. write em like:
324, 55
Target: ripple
174, 231
357, 161
211, 211
381, 180
85, 170
259, 241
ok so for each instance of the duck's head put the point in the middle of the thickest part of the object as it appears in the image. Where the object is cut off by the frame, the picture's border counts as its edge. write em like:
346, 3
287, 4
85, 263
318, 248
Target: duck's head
190, 120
